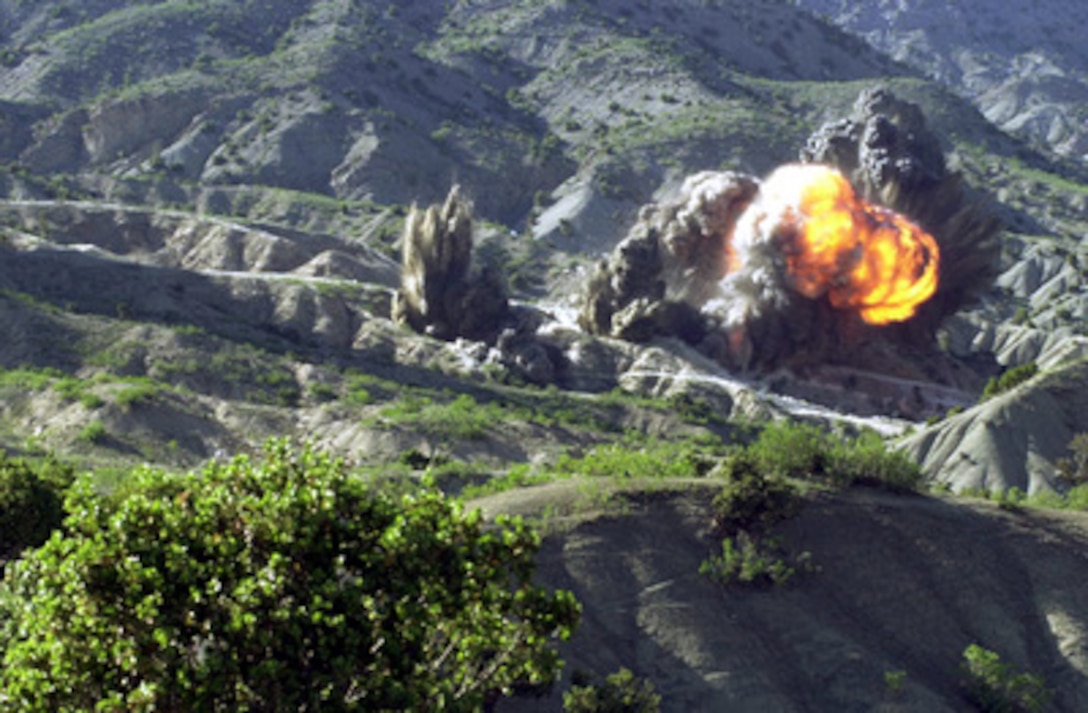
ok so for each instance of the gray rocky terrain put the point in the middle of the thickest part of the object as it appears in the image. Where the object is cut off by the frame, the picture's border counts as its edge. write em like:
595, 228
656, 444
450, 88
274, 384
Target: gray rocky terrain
903, 585
1024, 65
204, 207
264, 179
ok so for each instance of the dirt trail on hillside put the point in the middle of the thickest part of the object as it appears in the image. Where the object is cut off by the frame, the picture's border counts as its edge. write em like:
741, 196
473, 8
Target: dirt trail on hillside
906, 583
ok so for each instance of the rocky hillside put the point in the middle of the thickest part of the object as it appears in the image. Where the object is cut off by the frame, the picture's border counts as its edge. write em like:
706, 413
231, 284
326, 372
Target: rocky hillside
203, 205
1025, 67
390, 103
182, 191
904, 586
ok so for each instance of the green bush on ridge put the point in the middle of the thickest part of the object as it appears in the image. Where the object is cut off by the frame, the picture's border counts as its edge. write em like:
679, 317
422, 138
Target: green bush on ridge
792, 450
757, 495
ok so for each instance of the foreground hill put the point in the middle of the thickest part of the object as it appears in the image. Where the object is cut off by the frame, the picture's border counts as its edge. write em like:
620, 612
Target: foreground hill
905, 584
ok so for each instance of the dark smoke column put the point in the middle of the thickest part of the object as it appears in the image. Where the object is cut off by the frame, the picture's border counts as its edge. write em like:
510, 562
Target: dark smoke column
717, 267
438, 294
659, 277
893, 159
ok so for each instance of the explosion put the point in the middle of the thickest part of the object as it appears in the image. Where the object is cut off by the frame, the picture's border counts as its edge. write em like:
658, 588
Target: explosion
816, 264
863, 257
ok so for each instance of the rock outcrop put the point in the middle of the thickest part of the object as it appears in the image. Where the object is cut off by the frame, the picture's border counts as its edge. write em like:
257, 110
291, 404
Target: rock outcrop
1013, 440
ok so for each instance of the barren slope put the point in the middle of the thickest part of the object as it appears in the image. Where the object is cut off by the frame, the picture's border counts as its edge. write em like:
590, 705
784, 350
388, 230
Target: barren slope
1024, 64
905, 584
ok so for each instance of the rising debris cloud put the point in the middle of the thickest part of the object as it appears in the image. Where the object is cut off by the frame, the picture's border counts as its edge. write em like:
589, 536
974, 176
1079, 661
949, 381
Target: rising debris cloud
442, 295
863, 257
670, 263
439, 294
869, 239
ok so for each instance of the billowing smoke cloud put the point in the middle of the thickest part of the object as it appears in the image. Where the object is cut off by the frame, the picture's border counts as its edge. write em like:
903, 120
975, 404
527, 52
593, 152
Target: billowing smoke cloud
813, 262
439, 295
442, 295
669, 265
892, 158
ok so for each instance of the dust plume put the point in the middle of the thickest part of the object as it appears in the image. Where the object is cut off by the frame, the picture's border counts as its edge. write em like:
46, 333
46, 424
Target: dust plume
870, 239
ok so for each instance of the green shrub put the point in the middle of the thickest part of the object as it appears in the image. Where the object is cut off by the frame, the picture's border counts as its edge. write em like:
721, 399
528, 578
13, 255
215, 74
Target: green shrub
460, 419
639, 457
754, 560
751, 501
75, 389
791, 450
894, 681
621, 692
28, 378
322, 392
1076, 498
357, 392
30, 502
137, 391
1074, 470
520, 475
748, 505
1012, 499
867, 460
94, 433
274, 586
1009, 380
996, 687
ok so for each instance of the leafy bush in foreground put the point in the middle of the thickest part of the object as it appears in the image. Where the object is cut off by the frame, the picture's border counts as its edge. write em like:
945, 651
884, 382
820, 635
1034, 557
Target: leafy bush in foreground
284, 585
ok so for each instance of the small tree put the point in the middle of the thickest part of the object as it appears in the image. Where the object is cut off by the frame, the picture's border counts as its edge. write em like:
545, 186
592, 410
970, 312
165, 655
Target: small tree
279, 586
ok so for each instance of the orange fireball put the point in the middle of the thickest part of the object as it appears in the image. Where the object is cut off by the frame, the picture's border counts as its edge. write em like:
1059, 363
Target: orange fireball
864, 257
